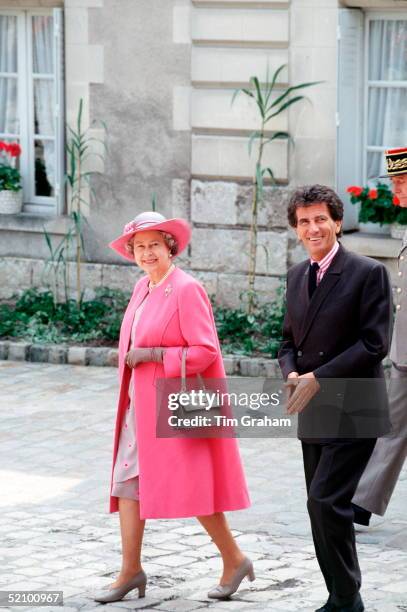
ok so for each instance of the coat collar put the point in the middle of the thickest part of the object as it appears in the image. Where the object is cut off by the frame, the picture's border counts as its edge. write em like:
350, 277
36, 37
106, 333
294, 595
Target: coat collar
161, 294
330, 279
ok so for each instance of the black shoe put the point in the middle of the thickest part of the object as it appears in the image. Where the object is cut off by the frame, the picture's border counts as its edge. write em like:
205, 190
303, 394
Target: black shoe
361, 516
355, 606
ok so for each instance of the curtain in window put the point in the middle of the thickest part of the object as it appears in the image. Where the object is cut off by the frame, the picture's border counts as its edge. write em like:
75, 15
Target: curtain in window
387, 125
44, 103
8, 80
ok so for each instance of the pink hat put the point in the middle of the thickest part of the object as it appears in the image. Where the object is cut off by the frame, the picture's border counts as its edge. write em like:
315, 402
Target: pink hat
149, 221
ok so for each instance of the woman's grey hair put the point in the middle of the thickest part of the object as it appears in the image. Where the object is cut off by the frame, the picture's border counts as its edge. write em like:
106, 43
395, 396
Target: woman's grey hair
169, 240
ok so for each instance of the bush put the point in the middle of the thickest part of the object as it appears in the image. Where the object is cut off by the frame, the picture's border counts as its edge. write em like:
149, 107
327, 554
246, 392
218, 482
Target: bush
35, 317
257, 333
376, 205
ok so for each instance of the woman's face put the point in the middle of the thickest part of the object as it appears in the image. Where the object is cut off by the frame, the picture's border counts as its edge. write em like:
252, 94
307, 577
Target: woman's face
151, 253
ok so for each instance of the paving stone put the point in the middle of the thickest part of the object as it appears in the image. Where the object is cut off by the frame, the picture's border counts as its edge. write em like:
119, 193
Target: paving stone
98, 356
18, 351
77, 355
179, 605
173, 560
62, 536
58, 354
112, 358
4, 350
38, 353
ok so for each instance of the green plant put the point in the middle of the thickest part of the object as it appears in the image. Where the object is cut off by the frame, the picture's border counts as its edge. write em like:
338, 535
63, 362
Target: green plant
79, 150
10, 178
55, 263
72, 246
36, 317
376, 205
268, 107
255, 332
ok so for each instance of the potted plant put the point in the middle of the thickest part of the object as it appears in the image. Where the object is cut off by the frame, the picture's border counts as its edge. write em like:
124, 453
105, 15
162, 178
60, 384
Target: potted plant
11, 194
399, 226
377, 211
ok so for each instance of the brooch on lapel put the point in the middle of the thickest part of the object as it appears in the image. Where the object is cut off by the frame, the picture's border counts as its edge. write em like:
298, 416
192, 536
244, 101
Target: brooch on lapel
168, 290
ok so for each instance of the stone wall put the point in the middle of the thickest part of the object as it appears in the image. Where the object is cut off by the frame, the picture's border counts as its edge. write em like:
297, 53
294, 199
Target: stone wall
220, 217
161, 75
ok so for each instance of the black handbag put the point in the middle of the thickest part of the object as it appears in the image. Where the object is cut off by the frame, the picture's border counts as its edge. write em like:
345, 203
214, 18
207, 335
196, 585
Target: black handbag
188, 410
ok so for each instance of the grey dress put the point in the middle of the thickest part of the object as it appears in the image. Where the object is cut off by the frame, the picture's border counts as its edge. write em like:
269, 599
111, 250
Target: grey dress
126, 469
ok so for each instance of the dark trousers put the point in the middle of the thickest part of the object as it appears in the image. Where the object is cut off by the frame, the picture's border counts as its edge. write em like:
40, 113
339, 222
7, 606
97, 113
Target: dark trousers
332, 473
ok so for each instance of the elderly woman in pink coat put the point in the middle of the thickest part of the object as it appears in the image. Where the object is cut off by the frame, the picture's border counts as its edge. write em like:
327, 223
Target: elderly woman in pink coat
172, 477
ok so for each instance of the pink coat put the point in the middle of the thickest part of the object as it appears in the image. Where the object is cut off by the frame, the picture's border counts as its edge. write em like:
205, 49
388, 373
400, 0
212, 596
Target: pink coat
178, 477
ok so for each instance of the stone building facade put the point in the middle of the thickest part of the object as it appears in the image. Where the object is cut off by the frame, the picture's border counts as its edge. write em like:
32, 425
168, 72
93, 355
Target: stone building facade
161, 74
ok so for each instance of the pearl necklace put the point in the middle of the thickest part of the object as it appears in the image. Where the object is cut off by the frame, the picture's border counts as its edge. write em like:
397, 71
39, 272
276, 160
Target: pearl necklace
152, 285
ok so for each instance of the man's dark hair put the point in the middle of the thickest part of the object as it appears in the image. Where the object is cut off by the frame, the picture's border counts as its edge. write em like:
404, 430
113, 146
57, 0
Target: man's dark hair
315, 194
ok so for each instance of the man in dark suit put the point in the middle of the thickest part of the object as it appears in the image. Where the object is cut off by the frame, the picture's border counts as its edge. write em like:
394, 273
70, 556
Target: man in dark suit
337, 326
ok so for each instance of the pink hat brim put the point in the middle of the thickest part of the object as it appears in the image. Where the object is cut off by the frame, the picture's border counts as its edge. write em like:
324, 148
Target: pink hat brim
178, 228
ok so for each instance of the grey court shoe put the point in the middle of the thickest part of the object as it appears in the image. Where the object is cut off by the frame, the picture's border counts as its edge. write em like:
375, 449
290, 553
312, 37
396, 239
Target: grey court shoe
139, 582
226, 590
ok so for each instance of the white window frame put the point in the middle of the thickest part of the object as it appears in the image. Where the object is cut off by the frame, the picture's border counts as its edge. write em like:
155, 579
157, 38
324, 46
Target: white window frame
372, 15
32, 203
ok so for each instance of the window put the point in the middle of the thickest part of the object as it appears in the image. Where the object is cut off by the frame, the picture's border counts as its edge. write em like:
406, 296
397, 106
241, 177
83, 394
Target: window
31, 102
372, 96
385, 105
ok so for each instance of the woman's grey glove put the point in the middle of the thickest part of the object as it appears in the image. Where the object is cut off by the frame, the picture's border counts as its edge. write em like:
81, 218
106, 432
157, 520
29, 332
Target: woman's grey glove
144, 355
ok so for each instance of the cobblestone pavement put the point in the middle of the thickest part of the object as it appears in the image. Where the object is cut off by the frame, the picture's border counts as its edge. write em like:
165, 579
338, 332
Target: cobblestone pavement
55, 531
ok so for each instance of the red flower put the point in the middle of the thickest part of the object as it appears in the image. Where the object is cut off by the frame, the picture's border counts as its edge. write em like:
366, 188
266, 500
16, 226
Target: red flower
14, 149
355, 190
3, 146
373, 194
396, 201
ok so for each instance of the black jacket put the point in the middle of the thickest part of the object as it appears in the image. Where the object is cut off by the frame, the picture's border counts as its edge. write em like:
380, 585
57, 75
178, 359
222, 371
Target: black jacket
343, 332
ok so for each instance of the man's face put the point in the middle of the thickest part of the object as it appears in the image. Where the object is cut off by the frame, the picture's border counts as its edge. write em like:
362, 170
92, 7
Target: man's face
316, 229
400, 188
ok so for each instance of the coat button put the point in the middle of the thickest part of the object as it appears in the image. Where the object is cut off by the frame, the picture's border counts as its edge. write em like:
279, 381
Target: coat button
321, 353
299, 354
398, 289
402, 257
400, 273
398, 307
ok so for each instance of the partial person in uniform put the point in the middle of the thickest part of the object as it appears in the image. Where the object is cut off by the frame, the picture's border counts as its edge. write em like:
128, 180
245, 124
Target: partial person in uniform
381, 474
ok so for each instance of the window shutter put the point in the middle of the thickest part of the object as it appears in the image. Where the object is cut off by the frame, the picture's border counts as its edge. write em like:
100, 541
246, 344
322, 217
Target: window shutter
350, 108
59, 109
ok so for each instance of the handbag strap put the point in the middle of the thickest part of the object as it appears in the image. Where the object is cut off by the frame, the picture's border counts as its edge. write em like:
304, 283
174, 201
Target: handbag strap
184, 372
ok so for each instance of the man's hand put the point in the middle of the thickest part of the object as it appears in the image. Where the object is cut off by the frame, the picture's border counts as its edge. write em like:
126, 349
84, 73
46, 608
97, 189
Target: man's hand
292, 382
143, 355
306, 387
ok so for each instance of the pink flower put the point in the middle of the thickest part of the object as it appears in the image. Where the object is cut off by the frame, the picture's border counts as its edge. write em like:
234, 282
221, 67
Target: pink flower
130, 227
